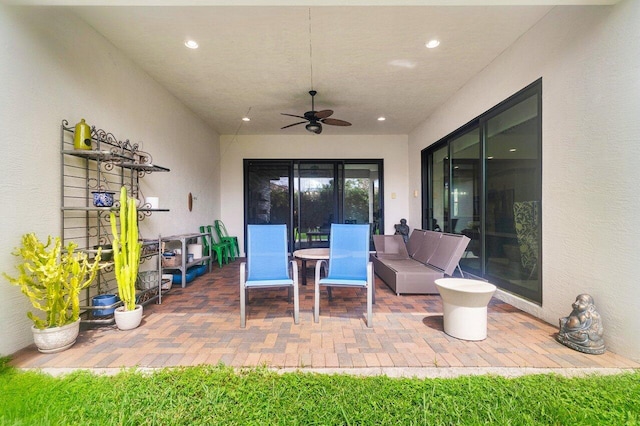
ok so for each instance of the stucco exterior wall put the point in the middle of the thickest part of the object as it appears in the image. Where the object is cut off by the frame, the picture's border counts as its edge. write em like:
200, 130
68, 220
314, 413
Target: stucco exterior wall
392, 149
55, 67
587, 58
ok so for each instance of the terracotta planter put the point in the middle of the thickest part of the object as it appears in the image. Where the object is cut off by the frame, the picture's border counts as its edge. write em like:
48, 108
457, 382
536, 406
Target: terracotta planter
128, 320
56, 339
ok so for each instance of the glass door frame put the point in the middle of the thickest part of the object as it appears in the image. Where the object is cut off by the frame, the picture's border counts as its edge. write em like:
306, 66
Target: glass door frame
338, 196
481, 123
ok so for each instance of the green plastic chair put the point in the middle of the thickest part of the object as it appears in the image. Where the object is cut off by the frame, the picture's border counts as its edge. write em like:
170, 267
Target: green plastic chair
225, 237
215, 241
209, 247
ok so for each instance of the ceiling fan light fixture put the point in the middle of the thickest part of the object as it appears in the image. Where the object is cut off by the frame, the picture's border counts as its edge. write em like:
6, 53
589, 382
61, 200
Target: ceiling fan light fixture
314, 128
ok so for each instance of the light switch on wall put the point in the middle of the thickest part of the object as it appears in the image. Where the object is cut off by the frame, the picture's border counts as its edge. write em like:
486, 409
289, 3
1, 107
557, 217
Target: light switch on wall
393, 195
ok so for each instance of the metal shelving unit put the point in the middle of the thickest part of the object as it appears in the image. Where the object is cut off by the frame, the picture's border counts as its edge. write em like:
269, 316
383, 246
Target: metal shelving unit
185, 240
109, 165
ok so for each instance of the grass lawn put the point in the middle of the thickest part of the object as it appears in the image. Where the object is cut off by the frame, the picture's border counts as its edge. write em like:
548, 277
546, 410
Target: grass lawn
211, 395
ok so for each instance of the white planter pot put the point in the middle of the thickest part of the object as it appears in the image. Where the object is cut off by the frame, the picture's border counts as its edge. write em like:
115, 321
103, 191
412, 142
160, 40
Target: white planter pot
56, 339
128, 320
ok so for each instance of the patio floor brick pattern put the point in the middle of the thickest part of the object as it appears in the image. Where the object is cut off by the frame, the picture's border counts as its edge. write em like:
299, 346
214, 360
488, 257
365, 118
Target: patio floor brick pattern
200, 324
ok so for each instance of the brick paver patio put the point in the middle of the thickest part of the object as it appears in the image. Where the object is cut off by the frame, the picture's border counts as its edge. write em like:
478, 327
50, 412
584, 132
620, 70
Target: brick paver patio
200, 324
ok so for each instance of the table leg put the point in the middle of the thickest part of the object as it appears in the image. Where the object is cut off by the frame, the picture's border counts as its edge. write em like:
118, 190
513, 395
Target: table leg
304, 271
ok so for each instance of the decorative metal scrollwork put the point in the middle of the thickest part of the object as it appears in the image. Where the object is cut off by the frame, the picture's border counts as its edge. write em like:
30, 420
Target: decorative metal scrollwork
104, 240
92, 183
92, 231
108, 138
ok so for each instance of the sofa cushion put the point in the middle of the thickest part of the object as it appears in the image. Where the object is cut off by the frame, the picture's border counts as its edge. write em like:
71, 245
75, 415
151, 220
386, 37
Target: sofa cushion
449, 252
402, 264
415, 241
390, 247
430, 242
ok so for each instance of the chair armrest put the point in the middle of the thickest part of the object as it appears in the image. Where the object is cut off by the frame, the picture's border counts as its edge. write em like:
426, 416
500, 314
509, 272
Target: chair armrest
243, 273
294, 271
319, 265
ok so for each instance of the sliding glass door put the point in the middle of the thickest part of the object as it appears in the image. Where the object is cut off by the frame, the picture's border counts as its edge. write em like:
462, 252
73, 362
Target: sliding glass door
310, 195
268, 192
316, 203
361, 195
466, 194
513, 197
484, 181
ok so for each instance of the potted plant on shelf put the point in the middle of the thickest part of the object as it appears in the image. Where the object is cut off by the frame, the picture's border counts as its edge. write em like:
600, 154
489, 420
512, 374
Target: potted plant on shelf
52, 279
126, 256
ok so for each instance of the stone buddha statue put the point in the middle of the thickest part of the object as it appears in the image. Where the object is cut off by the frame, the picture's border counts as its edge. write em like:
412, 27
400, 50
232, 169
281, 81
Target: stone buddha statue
582, 330
402, 229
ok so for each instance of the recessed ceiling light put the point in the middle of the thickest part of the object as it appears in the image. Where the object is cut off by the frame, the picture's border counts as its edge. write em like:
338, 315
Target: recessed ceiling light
246, 119
403, 63
381, 118
191, 44
432, 43
489, 158
512, 150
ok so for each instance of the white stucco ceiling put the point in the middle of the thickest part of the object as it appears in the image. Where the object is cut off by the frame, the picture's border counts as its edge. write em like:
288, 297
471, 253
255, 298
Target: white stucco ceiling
260, 61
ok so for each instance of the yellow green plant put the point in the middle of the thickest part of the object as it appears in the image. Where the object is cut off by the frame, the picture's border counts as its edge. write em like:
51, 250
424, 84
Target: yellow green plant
126, 249
52, 279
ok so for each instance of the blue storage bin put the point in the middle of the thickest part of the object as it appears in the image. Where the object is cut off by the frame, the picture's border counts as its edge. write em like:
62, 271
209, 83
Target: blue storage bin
200, 269
190, 276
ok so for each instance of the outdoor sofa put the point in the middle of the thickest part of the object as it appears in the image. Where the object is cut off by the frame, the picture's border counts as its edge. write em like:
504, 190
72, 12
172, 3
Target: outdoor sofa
412, 268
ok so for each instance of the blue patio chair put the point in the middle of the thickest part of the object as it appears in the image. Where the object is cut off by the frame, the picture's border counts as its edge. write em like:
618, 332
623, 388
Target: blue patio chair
349, 264
267, 265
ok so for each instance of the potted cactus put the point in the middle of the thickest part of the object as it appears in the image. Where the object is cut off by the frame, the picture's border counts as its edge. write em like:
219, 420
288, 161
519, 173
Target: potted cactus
52, 278
126, 257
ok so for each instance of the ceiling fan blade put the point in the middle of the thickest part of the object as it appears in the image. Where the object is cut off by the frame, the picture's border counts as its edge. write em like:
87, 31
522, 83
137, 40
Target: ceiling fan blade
323, 114
297, 116
291, 125
335, 122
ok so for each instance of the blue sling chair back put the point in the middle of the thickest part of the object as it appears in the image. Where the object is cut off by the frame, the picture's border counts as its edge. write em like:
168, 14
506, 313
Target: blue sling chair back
349, 264
267, 265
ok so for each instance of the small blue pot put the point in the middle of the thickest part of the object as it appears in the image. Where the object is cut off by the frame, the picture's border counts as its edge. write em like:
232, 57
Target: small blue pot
104, 300
103, 198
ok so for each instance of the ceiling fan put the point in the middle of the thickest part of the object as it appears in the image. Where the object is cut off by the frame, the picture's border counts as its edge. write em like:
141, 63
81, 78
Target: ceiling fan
315, 119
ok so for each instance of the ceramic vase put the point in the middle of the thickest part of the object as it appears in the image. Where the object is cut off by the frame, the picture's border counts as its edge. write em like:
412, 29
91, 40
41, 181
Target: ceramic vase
82, 136
128, 320
56, 339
